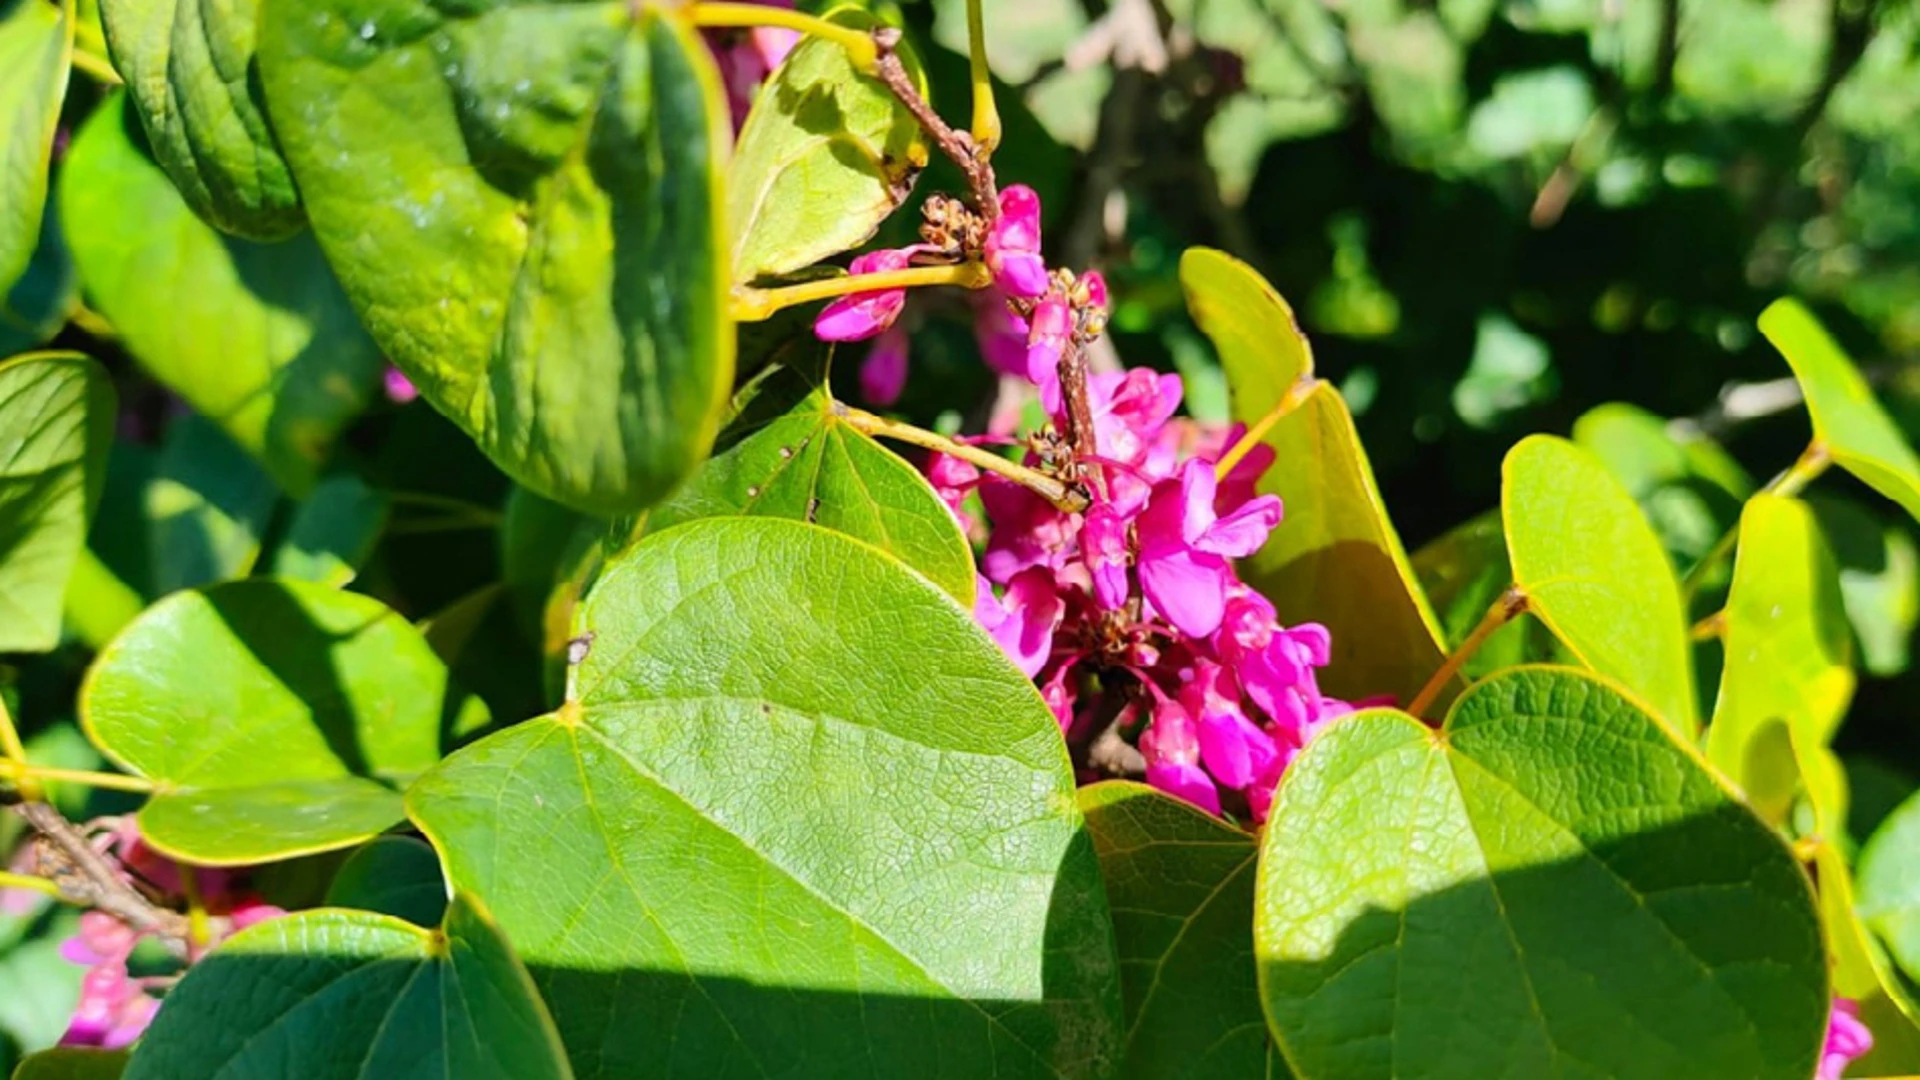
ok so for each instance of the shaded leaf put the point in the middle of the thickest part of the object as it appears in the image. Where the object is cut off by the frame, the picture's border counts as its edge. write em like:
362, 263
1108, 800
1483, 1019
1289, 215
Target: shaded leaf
1181, 886
1510, 897
189, 68
487, 180
1858, 433
1863, 974
257, 337
1594, 572
333, 532
56, 423
799, 816
36, 44
37, 306
826, 154
1336, 559
1879, 580
207, 507
68, 1063
789, 454
1788, 674
274, 718
392, 875
337, 995
1890, 884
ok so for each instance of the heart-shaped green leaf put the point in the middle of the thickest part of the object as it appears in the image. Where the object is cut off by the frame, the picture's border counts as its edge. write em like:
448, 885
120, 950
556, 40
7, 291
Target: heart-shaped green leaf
67, 1063
190, 69
1595, 573
56, 424
1181, 886
1335, 559
825, 155
257, 337
799, 817
523, 201
36, 45
1856, 431
1788, 673
1546, 886
791, 455
274, 718
392, 875
339, 995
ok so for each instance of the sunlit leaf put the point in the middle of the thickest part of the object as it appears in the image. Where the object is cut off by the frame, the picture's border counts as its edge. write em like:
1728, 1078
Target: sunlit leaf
274, 718
256, 337
1181, 886
56, 422
523, 202
1879, 580
1548, 885
1788, 672
343, 994
36, 43
1335, 559
1858, 433
825, 155
190, 70
799, 816
1594, 572
1689, 488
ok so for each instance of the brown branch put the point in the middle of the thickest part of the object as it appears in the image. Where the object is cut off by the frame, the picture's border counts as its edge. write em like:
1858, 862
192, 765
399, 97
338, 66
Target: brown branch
86, 877
1073, 393
957, 145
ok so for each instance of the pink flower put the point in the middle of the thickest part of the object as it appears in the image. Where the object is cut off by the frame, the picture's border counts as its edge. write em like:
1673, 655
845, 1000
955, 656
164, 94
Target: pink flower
1047, 336
102, 939
884, 373
1184, 547
1022, 622
1013, 243
1103, 540
1847, 1038
861, 315
113, 1010
1171, 746
1027, 530
1129, 410
1060, 692
399, 389
1232, 747
1001, 334
952, 480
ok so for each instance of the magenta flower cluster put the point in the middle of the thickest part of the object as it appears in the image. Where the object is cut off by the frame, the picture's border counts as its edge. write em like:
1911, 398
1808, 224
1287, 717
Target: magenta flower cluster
1130, 614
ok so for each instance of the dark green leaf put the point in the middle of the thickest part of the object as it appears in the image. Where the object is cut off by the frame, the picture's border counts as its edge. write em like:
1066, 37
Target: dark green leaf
190, 69
36, 43
347, 995
492, 183
38, 304
1547, 886
56, 422
392, 875
1336, 559
257, 337
1594, 572
799, 816
206, 508
790, 455
825, 156
333, 532
1181, 886
274, 718
73, 1064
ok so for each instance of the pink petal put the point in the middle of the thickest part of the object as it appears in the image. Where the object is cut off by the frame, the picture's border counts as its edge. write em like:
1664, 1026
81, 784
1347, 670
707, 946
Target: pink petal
1033, 609
1187, 782
1103, 539
1242, 532
1020, 274
884, 372
1187, 588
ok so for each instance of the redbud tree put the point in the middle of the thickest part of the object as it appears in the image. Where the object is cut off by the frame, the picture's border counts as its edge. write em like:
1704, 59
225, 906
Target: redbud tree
1079, 737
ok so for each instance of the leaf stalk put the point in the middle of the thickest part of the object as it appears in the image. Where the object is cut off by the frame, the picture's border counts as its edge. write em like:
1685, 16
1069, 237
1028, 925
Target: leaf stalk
860, 46
753, 305
1069, 499
1508, 607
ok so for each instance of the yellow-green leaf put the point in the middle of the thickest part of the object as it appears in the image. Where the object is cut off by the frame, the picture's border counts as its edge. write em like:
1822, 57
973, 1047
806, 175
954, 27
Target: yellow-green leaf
36, 44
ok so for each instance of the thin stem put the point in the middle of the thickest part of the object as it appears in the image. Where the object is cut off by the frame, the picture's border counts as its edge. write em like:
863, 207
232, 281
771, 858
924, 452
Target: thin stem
96, 66
1068, 499
1072, 370
1288, 402
10, 880
986, 115
753, 305
428, 501
199, 932
23, 774
957, 145
1504, 610
860, 46
1710, 627
1811, 463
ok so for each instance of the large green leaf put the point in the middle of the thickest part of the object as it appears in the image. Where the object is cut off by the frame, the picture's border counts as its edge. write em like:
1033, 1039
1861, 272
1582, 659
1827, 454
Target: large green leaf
1854, 428
36, 44
800, 817
1594, 572
56, 423
1181, 885
190, 69
349, 995
1336, 559
791, 455
68, 1063
1788, 672
257, 337
825, 156
274, 718
523, 201
1547, 886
